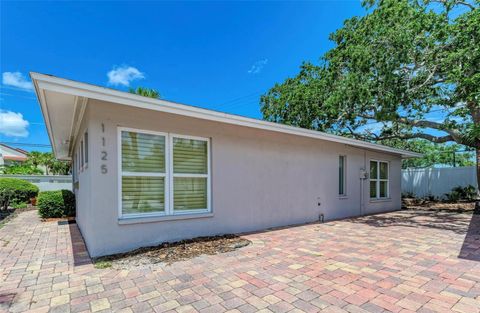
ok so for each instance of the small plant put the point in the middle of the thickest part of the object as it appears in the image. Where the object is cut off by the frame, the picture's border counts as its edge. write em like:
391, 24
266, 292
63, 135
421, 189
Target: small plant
13, 190
430, 197
468, 193
408, 194
58, 203
102, 264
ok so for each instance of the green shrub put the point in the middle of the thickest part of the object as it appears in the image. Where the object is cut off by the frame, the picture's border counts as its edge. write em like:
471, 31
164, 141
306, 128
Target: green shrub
5, 196
16, 190
468, 193
58, 203
408, 194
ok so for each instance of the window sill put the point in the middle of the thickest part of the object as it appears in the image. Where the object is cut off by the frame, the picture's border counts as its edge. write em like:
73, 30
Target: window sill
162, 218
343, 197
381, 200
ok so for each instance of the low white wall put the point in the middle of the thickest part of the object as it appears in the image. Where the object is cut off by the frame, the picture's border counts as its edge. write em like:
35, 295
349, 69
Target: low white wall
46, 182
437, 181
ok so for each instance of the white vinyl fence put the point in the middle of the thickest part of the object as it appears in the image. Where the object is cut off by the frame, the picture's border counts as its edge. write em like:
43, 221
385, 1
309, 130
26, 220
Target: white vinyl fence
437, 181
46, 182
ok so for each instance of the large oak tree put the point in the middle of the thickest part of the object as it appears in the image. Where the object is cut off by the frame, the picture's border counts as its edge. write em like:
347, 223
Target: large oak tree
401, 65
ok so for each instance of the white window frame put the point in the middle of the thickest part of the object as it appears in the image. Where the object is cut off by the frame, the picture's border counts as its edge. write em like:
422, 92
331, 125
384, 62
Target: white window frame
85, 147
121, 174
74, 168
169, 211
378, 180
207, 176
82, 156
344, 194
78, 159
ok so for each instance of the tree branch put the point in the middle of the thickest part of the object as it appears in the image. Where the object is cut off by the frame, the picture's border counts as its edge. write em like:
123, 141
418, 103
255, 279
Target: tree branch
456, 2
373, 137
454, 134
429, 77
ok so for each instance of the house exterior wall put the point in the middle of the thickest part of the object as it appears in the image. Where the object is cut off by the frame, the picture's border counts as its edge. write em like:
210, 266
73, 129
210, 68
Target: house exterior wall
259, 179
10, 155
82, 187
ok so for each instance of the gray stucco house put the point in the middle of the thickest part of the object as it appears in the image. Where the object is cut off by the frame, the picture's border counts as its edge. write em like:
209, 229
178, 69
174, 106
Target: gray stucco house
148, 171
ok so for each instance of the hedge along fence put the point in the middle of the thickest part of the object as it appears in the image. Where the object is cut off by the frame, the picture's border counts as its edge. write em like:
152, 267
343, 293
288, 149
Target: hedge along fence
14, 190
58, 203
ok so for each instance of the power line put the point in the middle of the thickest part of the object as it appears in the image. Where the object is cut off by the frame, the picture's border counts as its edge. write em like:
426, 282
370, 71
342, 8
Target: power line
236, 102
25, 144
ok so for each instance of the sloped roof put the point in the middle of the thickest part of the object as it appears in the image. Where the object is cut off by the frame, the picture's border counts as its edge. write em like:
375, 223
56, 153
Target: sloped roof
63, 102
13, 156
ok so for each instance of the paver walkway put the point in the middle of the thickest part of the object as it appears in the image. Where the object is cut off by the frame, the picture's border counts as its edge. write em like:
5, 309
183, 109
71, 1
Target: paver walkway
399, 262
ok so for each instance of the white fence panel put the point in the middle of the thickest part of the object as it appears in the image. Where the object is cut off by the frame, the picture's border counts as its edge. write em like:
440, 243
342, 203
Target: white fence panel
46, 182
437, 181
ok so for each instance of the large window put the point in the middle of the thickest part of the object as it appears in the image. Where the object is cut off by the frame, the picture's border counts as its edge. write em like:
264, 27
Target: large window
190, 173
163, 174
143, 173
341, 175
379, 179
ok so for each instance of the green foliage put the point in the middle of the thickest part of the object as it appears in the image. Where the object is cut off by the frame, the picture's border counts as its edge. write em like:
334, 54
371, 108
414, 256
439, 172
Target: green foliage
47, 159
35, 158
146, 92
102, 264
5, 196
54, 166
433, 154
19, 168
408, 194
16, 190
396, 66
58, 203
468, 193
19, 205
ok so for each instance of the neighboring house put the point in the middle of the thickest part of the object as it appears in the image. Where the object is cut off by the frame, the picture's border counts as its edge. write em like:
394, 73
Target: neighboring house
9, 155
149, 171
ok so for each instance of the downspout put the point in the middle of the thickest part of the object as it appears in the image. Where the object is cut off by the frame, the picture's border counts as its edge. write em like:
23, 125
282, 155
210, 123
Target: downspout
363, 177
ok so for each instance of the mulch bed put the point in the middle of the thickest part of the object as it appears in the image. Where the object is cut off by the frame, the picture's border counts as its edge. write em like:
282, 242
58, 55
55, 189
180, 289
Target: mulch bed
58, 219
453, 207
172, 252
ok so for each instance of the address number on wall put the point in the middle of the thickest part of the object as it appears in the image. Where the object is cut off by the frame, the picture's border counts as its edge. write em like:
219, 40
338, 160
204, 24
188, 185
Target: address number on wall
104, 154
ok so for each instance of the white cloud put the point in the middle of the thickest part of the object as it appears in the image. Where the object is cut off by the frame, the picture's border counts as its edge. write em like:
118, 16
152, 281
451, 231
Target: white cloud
16, 79
13, 124
258, 66
124, 75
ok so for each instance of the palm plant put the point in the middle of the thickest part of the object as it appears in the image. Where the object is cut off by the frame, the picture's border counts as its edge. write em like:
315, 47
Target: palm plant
146, 92
47, 160
35, 158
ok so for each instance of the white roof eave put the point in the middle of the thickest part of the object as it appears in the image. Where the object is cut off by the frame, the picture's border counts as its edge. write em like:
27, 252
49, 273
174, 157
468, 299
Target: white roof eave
56, 84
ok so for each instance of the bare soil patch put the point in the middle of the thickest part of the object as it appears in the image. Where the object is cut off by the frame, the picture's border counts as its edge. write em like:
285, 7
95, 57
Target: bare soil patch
172, 252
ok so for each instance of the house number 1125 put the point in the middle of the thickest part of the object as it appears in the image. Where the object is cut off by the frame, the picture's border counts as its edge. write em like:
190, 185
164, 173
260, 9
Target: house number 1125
103, 167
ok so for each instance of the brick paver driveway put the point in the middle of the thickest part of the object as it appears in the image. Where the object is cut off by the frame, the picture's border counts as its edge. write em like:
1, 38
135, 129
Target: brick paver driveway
400, 262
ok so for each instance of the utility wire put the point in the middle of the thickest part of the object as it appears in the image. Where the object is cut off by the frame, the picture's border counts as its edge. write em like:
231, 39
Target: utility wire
237, 102
26, 144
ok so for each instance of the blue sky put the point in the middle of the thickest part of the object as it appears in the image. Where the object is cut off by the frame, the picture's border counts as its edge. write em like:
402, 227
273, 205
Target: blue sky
207, 54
